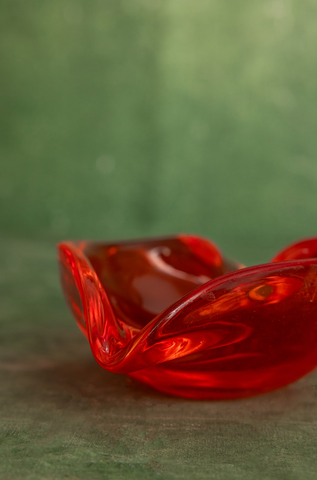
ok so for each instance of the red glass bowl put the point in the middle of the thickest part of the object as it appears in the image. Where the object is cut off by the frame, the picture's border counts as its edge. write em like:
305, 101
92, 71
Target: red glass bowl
175, 314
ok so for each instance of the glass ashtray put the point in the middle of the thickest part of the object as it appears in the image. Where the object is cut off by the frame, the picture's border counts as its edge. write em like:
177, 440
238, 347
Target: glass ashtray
177, 315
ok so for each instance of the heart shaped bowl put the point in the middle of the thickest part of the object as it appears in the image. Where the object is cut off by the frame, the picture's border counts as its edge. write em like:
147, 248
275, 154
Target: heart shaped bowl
175, 314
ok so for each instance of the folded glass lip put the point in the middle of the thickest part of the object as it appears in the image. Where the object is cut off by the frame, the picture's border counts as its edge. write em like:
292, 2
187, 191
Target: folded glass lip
174, 313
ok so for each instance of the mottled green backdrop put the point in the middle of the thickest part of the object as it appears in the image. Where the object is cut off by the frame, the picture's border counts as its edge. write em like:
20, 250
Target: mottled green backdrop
122, 118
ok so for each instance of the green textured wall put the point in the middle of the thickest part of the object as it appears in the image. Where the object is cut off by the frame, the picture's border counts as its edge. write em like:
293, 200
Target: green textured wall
122, 118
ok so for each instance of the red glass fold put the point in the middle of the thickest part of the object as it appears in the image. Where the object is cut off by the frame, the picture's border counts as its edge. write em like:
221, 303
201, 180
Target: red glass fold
175, 314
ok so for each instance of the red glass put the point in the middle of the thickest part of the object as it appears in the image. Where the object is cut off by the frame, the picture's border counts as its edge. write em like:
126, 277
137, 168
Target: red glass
175, 314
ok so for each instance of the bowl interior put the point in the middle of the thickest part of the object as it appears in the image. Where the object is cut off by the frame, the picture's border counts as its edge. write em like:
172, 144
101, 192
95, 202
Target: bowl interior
143, 278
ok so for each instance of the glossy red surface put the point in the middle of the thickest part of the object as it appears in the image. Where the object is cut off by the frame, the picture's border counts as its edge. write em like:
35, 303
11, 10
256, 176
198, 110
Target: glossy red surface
175, 314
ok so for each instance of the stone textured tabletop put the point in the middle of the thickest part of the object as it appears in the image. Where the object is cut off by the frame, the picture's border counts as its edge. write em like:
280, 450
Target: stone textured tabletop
62, 416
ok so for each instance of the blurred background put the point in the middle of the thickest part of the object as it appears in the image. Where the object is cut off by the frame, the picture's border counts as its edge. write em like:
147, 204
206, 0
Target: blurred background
126, 118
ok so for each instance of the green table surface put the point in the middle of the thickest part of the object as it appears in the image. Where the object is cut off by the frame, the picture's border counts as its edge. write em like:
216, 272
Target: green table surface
62, 416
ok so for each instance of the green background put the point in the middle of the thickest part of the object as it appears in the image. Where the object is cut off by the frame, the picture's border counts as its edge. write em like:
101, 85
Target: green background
126, 118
